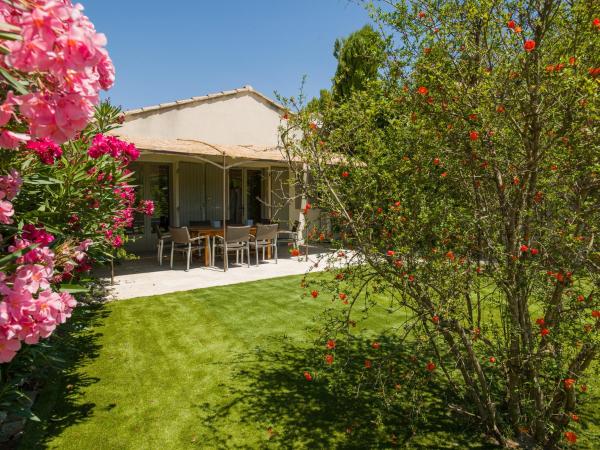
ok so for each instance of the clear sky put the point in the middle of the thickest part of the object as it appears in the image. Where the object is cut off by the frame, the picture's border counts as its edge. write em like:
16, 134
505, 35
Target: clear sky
165, 51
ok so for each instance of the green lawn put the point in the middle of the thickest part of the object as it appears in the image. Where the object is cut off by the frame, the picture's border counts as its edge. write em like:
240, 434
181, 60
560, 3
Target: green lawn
215, 368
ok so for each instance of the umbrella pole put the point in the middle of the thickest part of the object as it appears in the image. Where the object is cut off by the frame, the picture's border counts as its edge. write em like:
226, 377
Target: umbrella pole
224, 210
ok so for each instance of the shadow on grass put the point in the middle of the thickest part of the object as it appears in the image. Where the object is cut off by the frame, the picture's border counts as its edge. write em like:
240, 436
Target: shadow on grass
354, 407
57, 404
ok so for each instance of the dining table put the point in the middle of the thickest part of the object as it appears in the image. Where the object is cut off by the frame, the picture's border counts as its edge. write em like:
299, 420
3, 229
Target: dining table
212, 232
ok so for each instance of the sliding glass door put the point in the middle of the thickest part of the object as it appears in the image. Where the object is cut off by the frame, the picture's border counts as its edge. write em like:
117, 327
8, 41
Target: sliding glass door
153, 182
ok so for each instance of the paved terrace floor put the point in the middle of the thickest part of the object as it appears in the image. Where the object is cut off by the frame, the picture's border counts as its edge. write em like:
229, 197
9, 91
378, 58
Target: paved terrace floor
144, 277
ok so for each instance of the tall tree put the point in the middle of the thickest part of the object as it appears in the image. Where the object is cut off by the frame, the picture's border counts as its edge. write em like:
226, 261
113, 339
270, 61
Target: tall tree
360, 57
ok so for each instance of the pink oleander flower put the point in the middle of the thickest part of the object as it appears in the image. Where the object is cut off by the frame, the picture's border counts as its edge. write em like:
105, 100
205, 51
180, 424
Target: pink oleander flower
10, 185
46, 150
37, 234
7, 109
110, 145
8, 349
147, 207
6, 212
116, 241
11, 140
60, 45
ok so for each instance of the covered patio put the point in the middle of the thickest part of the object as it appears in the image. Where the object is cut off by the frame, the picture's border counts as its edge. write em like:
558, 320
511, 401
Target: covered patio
141, 277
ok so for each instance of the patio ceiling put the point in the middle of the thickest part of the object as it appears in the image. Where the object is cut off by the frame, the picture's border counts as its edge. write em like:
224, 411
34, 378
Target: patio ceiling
192, 147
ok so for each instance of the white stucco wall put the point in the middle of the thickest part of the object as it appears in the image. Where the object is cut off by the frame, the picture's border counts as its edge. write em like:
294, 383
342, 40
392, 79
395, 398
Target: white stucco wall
243, 118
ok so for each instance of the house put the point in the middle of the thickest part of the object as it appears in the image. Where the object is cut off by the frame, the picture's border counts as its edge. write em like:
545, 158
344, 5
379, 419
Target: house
211, 158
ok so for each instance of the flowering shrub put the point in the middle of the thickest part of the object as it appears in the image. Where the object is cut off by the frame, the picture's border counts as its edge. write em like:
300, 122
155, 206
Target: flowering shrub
466, 184
61, 207
67, 65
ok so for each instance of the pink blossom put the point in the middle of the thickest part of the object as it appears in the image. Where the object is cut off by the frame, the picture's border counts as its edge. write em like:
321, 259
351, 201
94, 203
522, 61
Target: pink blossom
6, 212
10, 185
46, 150
11, 140
37, 234
8, 349
147, 207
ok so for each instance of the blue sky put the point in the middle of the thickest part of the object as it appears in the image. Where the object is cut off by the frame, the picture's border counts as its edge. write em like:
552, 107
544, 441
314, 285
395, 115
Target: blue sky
164, 51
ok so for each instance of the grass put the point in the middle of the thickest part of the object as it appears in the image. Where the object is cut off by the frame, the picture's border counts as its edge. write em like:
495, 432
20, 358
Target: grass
217, 368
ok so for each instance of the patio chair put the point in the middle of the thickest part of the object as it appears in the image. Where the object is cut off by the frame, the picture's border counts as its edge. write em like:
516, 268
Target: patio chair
182, 242
266, 236
238, 239
289, 236
160, 243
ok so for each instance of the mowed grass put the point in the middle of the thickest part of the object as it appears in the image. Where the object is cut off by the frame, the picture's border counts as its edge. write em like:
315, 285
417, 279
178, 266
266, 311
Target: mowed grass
216, 368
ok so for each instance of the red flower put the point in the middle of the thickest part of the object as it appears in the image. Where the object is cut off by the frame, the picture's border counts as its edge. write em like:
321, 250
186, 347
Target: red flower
472, 116
549, 68
492, 360
295, 252
314, 294
329, 359
422, 15
436, 161
423, 90
596, 22
308, 376
572, 60
430, 366
580, 298
435, 319
345, 174
583, 388
571, 437
368, 363
511, 24
312, 125
450, 255
391, 252
540, 321
544, 331
596, 314
411, 278
500, 109
473, 135
534, 251
568, 383
331, 344
574, 417
398, 263
529, 45
444, 174
524, 248
376, 345
427, 50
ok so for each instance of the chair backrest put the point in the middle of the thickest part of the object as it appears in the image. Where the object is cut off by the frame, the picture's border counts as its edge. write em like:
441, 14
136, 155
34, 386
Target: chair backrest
156, 229
180, 235
238, 234
264, 232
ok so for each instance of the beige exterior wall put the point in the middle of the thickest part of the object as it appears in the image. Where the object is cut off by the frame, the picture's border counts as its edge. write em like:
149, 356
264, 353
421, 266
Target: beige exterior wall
244, 118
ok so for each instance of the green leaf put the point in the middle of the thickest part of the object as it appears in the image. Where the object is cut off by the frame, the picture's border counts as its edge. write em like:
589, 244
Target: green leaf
73, 288
11, 257
20, 88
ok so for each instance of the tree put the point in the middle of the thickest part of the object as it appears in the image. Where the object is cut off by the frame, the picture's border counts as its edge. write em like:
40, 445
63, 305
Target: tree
475, 208
360, 56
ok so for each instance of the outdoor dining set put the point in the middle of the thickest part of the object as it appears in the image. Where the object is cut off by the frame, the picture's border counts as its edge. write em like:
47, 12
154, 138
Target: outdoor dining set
209, 240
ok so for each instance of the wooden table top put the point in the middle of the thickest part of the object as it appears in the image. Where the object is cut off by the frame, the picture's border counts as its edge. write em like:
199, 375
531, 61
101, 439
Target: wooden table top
210, 231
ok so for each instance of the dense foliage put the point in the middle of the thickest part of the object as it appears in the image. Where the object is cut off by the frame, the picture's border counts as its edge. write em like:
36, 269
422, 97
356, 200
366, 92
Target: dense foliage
466, 184
65, 198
